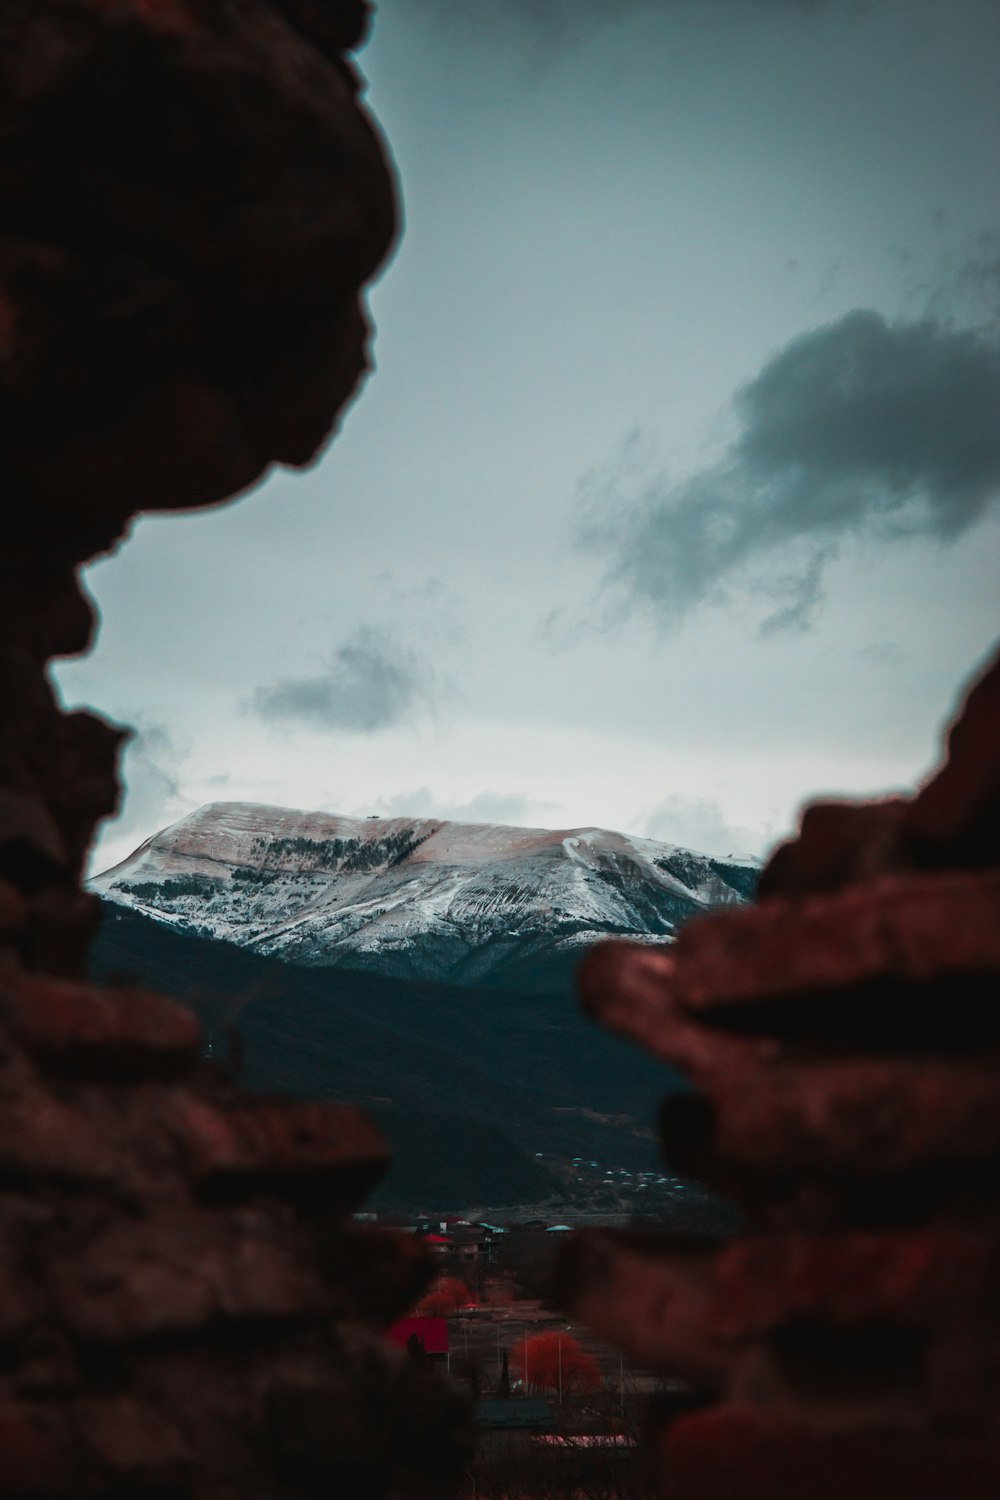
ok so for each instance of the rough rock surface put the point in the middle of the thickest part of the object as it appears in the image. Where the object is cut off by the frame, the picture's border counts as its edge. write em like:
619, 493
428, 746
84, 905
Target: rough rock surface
191, 199
843, 1037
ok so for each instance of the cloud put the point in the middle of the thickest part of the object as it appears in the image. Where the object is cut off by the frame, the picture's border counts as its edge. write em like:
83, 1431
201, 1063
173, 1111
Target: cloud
698, 823
978, 279
806, 593
484, 807
370, 683
861, 426
430, 607
151, 779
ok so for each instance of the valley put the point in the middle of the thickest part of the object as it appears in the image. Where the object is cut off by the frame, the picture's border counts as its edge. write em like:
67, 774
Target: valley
454, 1023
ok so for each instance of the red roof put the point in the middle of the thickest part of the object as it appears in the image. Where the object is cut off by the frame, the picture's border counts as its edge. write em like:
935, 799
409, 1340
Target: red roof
432, 1331
436, 1239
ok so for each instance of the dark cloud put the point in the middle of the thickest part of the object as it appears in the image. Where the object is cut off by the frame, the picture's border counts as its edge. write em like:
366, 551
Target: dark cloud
371, 682
860, 426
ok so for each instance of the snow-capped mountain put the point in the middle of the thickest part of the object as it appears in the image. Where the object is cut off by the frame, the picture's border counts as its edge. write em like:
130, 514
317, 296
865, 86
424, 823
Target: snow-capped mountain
416, 897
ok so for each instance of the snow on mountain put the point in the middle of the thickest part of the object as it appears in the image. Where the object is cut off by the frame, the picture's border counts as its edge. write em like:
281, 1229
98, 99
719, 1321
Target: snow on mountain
415, 897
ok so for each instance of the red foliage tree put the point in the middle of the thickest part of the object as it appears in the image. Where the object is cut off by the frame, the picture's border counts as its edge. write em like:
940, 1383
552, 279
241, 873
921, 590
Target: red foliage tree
555, 1361
435, 1305
445, 1297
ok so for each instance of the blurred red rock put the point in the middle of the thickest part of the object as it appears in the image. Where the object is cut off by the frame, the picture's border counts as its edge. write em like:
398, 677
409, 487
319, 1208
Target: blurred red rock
843, 1036
191, 201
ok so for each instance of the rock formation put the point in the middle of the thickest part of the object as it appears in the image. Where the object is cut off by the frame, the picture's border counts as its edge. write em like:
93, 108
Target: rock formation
843, 1037
191, 199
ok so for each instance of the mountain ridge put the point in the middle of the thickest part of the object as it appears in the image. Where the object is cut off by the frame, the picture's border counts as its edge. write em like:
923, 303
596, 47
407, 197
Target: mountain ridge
482, 904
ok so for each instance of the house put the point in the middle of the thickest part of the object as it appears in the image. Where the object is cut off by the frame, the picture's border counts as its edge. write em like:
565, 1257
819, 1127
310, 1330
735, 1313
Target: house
423, 1337
467, 1239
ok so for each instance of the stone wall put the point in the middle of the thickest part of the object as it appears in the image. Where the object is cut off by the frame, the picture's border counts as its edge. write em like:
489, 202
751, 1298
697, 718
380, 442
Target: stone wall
191, 200
843, 1038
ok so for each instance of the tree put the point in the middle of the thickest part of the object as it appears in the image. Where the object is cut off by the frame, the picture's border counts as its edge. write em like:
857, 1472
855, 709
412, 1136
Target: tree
503, 1389
415, 1348
555, 1361
435, 1305
445, 1297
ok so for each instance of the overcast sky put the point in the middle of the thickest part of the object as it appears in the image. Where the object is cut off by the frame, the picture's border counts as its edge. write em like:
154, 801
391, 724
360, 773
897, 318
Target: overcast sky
673, 500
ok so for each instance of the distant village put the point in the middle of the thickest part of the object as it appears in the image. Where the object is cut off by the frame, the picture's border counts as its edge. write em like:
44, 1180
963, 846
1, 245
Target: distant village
590, 1191
557, 1408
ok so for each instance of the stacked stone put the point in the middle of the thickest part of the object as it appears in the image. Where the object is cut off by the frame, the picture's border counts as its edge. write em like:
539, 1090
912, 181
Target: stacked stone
843, 1038
191, 199
185, 1305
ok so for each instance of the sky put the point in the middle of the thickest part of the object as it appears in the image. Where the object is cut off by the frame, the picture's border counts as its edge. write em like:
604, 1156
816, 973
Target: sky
673, 499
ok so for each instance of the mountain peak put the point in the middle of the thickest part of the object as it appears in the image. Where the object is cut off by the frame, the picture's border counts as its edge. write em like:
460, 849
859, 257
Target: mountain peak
415, 897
